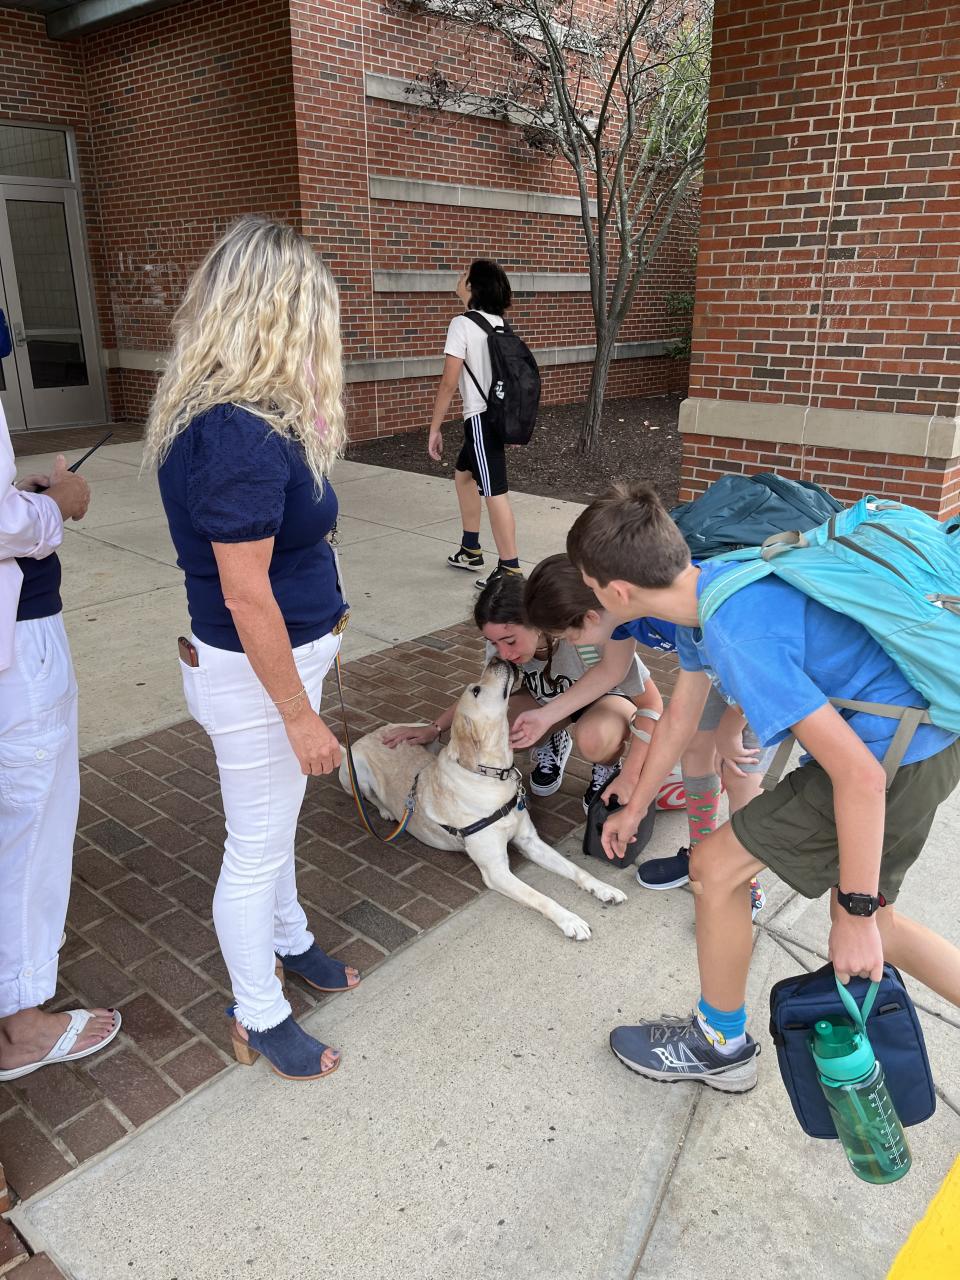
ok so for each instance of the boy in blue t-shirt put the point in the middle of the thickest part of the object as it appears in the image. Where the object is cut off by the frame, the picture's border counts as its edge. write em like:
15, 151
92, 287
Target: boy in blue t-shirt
830, 824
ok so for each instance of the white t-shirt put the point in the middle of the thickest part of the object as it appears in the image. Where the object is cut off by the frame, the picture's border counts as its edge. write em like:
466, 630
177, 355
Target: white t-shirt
468, 342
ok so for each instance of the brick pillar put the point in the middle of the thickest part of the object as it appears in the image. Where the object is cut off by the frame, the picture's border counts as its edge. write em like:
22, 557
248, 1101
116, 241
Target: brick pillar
826, 338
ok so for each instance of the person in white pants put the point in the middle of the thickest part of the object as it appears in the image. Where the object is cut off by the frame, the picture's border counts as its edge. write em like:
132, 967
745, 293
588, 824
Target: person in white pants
39, 772
246, 424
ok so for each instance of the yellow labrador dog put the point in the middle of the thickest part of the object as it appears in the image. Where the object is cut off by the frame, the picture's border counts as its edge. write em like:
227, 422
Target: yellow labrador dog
468, 797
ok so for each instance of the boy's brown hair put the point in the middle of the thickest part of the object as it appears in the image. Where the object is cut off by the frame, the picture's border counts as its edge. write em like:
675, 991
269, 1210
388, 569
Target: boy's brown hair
627, 535
556, 596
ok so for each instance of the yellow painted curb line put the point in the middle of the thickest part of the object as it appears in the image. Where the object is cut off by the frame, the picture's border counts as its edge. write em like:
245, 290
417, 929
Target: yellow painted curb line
932, 1251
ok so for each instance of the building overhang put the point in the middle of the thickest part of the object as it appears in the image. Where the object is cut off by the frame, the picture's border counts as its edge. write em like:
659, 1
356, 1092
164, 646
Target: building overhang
70, 19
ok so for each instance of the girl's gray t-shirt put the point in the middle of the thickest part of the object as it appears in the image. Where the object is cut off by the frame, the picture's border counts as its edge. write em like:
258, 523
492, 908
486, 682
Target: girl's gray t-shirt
569, 663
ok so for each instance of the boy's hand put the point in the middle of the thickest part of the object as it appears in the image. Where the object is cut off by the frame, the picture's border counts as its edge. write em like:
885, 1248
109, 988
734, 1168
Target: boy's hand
529, 727
619, 830
856, 949
435, 444
621, 788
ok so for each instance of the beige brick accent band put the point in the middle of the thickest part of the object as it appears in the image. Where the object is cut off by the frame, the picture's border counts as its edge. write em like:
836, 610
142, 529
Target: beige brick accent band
923, 436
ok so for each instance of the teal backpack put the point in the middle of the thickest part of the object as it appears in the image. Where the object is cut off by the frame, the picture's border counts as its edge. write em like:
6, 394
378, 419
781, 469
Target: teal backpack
893, 569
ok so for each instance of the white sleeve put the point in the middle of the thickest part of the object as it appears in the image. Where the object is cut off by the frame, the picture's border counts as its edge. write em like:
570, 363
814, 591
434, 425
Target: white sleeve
30, 523
456, 343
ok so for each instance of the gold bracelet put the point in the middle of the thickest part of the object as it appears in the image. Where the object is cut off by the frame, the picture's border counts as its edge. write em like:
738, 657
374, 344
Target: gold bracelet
279, 702
291, 711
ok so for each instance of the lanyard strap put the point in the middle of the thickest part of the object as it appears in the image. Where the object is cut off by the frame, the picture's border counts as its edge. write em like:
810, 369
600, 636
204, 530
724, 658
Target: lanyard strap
858, 1015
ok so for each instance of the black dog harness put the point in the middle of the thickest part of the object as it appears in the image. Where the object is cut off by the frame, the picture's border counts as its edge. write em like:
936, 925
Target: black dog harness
517, 801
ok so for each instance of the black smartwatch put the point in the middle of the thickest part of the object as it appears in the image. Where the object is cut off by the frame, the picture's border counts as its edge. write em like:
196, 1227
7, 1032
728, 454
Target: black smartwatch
860, 904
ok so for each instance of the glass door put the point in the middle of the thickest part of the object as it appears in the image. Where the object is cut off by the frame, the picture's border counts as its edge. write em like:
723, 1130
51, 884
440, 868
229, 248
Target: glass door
9, 379
48, 309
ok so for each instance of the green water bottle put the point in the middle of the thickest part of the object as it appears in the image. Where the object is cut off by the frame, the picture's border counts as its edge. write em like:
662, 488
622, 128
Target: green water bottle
853, 1084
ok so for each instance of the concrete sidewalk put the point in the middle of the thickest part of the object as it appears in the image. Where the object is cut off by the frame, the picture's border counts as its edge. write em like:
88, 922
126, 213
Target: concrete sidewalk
479, 1126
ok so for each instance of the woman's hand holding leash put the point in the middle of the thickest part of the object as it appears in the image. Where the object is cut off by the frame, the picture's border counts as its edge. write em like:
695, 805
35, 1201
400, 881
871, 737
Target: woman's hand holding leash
315, 746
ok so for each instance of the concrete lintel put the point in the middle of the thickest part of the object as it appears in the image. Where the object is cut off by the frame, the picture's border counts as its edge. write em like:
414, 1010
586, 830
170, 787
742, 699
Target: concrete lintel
410, 94
867, 431
396, 369
128, 358
410, 191
445, 281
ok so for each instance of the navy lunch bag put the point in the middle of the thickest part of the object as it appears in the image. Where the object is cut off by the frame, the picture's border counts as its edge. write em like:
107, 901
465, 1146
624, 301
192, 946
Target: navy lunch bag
892, 1027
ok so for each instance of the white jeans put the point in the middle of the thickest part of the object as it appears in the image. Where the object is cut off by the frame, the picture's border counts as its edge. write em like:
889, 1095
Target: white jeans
39, 800
255, 907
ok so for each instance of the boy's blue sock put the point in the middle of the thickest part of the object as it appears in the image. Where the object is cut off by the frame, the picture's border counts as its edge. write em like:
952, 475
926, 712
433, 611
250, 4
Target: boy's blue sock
511, 564
470, 541
726, 1030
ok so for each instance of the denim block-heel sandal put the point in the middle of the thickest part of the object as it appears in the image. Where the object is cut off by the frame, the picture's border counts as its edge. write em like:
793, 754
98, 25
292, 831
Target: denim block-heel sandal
290, 1051
318, 970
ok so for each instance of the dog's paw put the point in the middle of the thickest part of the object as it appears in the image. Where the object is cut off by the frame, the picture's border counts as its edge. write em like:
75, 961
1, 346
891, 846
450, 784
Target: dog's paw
607, 893
574, 927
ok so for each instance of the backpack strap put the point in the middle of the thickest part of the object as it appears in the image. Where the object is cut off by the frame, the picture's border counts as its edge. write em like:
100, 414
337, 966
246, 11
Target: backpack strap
910, 718
473, 376
488, 329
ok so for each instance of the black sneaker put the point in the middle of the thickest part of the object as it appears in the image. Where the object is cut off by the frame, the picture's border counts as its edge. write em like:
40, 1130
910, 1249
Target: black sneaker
549, 762
665, 873
600, 779
466, 558
673, 1049
499, 572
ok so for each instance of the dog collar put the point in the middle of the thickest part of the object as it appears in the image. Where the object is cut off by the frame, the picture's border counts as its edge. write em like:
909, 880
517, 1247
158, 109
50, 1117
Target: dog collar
489, 771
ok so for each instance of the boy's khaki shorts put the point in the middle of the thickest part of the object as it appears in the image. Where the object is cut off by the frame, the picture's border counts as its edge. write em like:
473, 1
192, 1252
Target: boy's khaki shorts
792, 829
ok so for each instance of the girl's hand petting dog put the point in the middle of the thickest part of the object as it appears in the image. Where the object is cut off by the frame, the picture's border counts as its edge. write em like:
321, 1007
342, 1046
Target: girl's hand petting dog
529, 727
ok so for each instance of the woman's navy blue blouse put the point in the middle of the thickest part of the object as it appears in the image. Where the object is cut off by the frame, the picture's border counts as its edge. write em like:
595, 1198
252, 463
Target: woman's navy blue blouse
230, 478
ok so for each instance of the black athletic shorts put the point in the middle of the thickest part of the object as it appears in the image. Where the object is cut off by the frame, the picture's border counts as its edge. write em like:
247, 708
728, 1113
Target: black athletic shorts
483, 456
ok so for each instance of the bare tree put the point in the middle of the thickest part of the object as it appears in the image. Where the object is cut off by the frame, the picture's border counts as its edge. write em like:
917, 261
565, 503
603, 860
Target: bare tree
618, 89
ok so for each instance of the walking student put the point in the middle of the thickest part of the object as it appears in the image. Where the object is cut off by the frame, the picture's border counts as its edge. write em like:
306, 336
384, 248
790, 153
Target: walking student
481, 468
828, 825
246, 424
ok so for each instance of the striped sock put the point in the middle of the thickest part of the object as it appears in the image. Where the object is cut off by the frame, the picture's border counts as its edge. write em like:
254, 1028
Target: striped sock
703, 799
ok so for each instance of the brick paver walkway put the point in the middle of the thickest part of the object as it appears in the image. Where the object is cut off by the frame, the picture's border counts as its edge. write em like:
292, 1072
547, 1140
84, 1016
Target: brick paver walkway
70, 440
140, 936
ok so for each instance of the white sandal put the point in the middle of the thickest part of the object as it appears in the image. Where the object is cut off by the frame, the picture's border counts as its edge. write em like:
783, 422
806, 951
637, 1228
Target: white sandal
61, 1050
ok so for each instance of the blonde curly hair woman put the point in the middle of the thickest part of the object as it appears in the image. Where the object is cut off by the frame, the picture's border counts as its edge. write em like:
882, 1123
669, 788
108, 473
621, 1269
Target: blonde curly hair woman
245, 426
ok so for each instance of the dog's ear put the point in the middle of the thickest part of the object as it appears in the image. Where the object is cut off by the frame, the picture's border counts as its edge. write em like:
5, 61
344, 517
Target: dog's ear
465, 744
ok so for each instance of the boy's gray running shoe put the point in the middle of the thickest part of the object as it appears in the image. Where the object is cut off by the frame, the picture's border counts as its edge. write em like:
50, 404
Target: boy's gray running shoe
676, 1049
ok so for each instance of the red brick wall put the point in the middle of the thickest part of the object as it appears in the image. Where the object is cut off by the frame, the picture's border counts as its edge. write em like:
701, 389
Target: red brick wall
209, 110
828, 266
408, 404
827, 272
930, 483
192, 115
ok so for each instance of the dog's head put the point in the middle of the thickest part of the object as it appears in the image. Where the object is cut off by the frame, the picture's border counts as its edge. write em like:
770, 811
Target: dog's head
480, 733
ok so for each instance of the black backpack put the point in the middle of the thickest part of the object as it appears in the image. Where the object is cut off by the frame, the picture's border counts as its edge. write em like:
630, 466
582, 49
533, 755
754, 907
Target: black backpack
514, 395
742, 511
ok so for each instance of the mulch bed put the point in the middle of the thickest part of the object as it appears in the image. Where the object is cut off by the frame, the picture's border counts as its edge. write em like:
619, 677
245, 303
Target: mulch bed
638, 440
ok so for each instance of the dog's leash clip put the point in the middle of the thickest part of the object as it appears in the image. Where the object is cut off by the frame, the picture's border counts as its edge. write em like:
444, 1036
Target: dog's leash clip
521, 792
